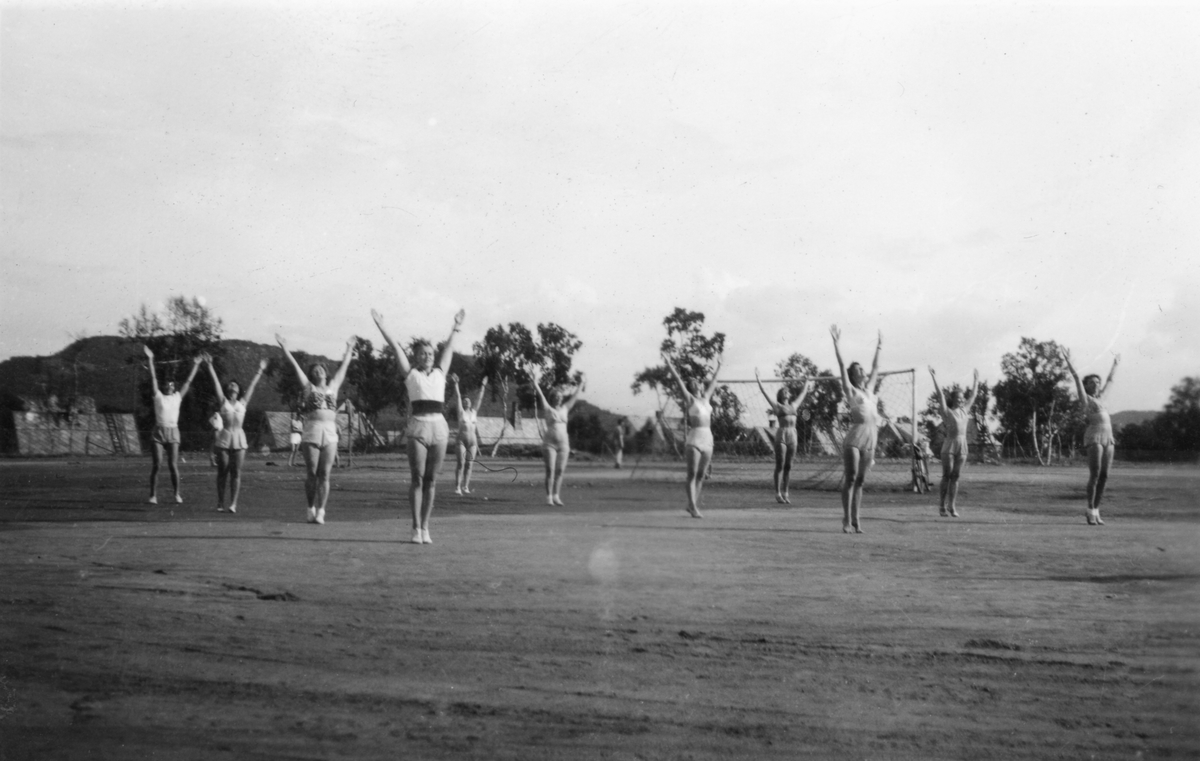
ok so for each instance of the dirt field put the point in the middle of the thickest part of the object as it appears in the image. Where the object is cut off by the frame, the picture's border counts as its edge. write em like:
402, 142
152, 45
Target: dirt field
614, 628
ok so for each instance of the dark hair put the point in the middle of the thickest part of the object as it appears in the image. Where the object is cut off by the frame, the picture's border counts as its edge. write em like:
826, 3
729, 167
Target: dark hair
314, 366
421, 342
850, 372
1092, 375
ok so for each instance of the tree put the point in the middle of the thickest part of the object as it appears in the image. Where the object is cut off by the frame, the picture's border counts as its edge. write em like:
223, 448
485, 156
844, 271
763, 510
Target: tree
820, 409
187, 328
1032, 401
692, 352
1176, 428
373, 380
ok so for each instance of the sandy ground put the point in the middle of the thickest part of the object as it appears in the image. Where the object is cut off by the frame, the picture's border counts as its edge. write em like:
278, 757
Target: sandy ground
614, 628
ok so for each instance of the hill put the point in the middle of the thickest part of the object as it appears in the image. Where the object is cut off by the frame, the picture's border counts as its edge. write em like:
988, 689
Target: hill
1122, 419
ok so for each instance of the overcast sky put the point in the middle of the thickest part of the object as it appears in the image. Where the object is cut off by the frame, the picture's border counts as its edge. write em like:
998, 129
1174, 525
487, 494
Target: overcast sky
957, 176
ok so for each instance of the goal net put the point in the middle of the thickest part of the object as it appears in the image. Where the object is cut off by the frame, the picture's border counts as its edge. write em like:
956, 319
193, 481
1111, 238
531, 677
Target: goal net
744, 429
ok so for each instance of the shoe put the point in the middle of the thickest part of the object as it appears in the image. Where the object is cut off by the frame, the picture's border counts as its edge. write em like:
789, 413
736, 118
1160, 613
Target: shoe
1098, 521
857, 528
178, 500
153, 500
458, 492
695, 513
953, 513
233, 508
845, 527
320, 519
942, 512
1091, 519
786, 499
558, 501
220, 508
425, 536
550, 501
418, 536
466, 490
312, 515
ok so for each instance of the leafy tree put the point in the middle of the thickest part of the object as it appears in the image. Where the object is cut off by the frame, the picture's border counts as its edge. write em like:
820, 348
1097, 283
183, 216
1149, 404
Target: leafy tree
187, 328
502, 356
373, 380
1176, 428
692, 352
1032, 401
821, 404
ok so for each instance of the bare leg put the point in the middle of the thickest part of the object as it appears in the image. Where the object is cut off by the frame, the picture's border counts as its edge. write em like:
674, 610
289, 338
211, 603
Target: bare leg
173, 468
312, 461
697, 466
850, 477
471, 455
788, 455
560, 469
418, 454
222, 477
955, 474
856, 497
460, 467
778, 474
944, 487
433, 465
1099, 461
156, 458
549, 456
328, 454
236, 459
292, 458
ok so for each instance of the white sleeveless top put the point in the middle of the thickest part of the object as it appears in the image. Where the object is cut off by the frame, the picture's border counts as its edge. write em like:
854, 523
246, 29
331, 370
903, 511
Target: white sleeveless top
426, 387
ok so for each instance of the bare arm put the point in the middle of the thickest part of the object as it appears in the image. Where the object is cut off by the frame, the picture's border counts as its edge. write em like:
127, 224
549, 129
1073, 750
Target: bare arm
448, 350
1108, 381
940, 397
837, 334
304, 381
712, 384
1065, 353
340, 375
187, 384
401, 357
799, 399
875, 365
216, 381
536, 377
262, 367
969, 402
569, 402
770, 401
482, 388
458, 408
153, 374
679, 380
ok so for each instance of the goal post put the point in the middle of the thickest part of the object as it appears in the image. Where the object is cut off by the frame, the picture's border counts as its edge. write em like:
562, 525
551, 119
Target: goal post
744, 428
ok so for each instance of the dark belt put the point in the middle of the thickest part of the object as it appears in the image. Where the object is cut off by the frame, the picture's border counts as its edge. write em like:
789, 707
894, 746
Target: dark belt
426, 407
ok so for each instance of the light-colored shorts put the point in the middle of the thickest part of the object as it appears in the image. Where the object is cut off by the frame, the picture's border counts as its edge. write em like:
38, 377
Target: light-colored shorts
863, 438
231, 439
956, 447
294, 439
320, 433
163, 435
700, 439
428, 430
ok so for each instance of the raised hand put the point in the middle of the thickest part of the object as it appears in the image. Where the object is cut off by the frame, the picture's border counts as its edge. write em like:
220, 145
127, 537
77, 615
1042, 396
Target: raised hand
459, 316
932, 372
377, 317
1116, 360
262, 364
279, 340
453, 378
879, 342
837, 334
148, 350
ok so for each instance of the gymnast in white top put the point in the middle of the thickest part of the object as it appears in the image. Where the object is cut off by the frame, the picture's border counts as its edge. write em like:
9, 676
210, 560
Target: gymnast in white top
231, 441
165, 438
858, 448
427, 433
319, 437
468, 435
785, 407
1098, 437
698, 445
556, 446
954, 448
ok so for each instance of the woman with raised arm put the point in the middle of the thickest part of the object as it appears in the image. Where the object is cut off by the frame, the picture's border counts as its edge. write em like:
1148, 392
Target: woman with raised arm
165, 437
699, 442
556, 447
468, 437
1098, 437
231, 444
858, 447
427, 433
954, 448
319, 439
785, 407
